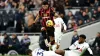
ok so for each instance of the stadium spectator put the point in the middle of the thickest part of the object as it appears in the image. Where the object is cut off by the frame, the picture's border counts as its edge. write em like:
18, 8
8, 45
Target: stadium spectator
80, 22
2, 4
25, 42
70, 15
59, 7
98, 12
15, 43
67, 4
80, 3
94, 15
29, 25
75, 37
72, 23
31, 5
79, 13
85, 17
88, 12
97, 40
20, 18
6, 44
96, 3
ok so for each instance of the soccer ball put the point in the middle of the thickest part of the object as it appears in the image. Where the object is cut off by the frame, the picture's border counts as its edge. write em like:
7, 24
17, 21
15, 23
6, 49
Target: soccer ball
49, 23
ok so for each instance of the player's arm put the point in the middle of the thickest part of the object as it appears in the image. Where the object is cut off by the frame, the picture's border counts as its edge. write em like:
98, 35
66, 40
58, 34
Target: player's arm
90, 51
37, 17
73, 46
64, 25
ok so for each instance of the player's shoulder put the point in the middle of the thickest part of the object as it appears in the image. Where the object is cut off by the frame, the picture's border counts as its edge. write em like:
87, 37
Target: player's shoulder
76, 42
59, 18
86, 44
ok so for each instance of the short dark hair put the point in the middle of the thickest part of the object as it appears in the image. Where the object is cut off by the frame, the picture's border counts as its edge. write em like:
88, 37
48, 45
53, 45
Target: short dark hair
98, 32
45, 3
82, 36
28, 51
42, 43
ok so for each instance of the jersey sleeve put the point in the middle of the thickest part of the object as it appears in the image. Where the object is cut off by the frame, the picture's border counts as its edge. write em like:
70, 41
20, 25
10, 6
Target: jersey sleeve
73, 46
89, 49
64, 25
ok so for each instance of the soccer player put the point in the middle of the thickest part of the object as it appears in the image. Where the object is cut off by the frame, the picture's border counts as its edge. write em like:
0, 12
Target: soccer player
42, 51
59, 24
46, 13
76, 49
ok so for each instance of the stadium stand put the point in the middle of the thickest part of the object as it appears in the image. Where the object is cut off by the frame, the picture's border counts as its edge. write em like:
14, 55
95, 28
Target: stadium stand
81, 15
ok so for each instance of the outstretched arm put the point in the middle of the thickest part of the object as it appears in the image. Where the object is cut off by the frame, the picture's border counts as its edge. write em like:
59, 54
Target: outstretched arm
37, 17
90, 51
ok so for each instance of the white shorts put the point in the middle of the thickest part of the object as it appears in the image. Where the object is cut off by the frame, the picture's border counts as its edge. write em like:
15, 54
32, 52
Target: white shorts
58, 37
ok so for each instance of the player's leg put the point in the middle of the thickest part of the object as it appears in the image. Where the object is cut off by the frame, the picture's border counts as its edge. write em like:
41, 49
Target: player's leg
50, 33
60, 52
44, 33
43, 30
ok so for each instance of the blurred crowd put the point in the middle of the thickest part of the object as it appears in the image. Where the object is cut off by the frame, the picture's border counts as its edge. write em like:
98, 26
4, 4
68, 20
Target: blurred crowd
21, 17
23, 21
37, 3
13, 43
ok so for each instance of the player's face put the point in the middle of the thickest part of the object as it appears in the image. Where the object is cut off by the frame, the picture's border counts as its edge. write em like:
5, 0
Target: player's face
81, 40
98, 34
75, 33
45, 6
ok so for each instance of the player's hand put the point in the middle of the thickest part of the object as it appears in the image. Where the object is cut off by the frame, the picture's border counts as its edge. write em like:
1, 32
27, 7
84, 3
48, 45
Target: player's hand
64, 31
43, 28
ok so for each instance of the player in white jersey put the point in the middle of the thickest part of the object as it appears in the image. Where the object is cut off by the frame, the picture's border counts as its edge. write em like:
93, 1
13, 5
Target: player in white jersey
43, 50
59, 24
76, 49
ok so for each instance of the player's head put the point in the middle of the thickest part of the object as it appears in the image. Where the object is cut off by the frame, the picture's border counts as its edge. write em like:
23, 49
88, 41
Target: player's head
45, 5
82, 38
75, 33
42, 43
56, 15
29, 52
98, 34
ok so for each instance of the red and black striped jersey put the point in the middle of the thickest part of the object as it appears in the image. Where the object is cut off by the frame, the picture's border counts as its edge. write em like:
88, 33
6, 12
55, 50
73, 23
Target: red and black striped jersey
46, 15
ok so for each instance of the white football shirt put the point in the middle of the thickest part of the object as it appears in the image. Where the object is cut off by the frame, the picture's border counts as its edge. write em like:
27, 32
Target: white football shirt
78, 49
59, 23
40, 52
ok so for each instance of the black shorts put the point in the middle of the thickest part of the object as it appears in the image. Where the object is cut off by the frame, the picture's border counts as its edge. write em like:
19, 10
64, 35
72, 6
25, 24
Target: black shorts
50, 31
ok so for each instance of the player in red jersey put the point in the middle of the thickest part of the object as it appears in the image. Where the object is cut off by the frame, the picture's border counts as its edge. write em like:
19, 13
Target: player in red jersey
46, 13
